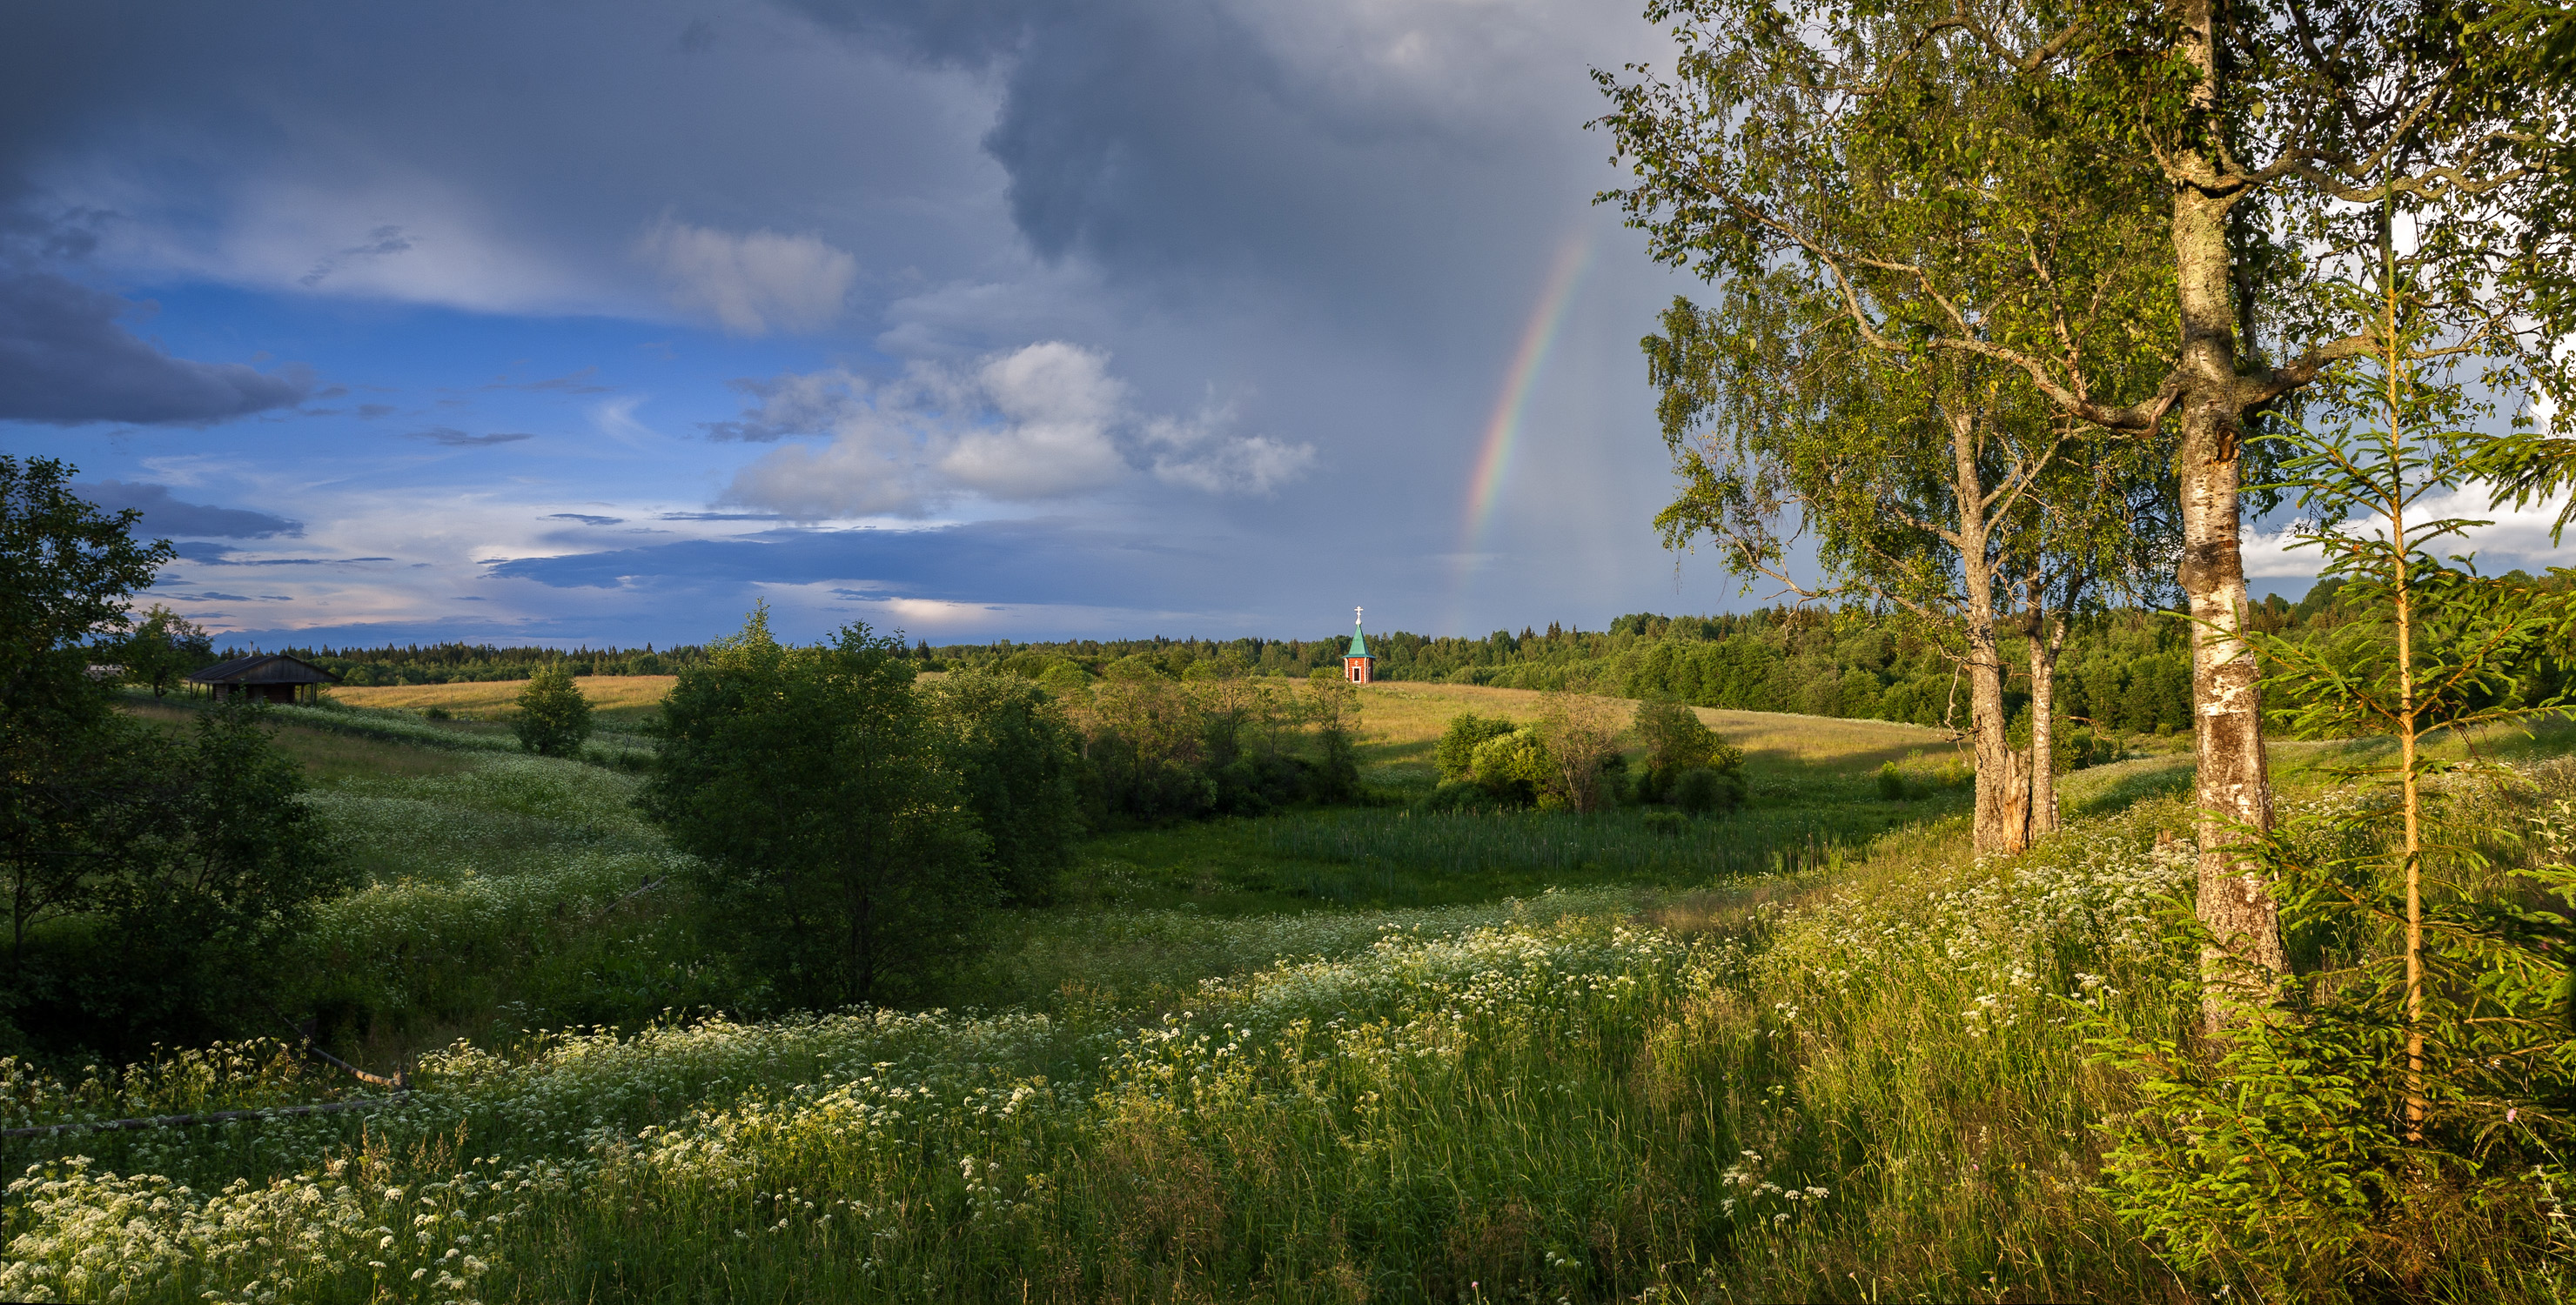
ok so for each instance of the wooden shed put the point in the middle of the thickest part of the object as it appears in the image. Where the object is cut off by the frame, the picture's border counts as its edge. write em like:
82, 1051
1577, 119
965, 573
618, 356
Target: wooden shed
266, 677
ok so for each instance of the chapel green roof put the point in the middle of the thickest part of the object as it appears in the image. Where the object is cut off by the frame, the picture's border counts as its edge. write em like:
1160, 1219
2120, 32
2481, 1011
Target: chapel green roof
1359, 645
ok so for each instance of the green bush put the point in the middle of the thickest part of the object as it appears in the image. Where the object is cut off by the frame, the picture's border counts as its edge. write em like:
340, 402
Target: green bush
1460, 795
1514, 767
554, 717
1670, 824
1456, 753
1891, 783
1702, 790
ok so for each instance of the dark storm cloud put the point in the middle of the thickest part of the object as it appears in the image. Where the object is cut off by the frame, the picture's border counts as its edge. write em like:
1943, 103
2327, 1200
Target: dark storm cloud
164, 515
1056, 562
1328, 217
65, 360
1179, 136
586, 519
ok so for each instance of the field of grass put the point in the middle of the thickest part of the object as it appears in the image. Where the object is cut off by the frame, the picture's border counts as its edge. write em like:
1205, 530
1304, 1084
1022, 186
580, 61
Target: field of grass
616, 701
326, 755
1813, 1051
1400, 722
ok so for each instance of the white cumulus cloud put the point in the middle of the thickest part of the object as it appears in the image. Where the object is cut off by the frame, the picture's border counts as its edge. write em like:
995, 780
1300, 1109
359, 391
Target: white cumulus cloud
1046, 421
753, 282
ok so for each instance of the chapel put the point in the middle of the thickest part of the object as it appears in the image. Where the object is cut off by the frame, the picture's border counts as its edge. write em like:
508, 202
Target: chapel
1356, 662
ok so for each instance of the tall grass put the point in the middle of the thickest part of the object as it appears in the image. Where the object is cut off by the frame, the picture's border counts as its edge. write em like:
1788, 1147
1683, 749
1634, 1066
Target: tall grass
1859, 1085
523, 892
1865, 1080
605, 748
1387, 855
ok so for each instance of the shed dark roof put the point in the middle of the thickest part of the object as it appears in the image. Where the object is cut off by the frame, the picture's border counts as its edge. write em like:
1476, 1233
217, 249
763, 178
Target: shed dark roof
264, 668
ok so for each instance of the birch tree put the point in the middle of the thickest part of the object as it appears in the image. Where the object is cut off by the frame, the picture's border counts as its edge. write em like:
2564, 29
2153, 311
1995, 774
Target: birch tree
2229, 120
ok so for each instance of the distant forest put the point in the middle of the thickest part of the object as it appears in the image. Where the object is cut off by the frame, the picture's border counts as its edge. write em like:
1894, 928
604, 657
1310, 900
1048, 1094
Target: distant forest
2125, 672
460, 663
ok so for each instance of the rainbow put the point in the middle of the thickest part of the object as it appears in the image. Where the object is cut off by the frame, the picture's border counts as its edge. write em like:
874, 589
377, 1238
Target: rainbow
1503, 428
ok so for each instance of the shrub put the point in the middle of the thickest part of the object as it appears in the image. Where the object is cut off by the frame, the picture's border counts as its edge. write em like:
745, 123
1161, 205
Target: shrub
554, 717
1670, 824
1701, 790
434, 713
1456, 753
1459, 795
1514, 767
1891, 783
1678, 741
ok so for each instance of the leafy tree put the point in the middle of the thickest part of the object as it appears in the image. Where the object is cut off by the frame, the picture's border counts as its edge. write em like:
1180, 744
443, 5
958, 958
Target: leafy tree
228, 865
554, 717
2426, 1071
163, 649
1582, 735
1019, 761
2256, 121
1937, 484
1331, 708
1145, 741
1063, 678
838, 849
66, 570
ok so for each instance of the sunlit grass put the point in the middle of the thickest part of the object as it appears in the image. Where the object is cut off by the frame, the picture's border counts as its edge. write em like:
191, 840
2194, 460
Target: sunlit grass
1400, 721
619, 700
1201, 1078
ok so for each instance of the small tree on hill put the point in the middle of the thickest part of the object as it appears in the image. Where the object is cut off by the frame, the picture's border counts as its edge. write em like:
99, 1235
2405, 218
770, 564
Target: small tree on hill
554, 717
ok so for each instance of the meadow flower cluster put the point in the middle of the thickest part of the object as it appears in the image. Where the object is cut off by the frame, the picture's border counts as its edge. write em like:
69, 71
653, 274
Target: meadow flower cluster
1513, 1092
1131, 948
334, 1233
871, 1128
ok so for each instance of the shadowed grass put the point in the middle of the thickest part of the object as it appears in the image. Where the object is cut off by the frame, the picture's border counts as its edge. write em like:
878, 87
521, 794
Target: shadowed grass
327, 756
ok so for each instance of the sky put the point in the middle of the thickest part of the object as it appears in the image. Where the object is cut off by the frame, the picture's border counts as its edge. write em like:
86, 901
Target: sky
973, 319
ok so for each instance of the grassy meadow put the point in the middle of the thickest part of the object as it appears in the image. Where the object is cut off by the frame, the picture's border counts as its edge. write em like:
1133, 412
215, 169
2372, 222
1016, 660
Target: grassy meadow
616, 701
1808, 1051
